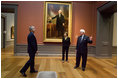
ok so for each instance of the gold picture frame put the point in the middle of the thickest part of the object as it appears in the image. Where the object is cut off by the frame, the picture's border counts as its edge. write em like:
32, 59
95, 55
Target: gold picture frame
49, 27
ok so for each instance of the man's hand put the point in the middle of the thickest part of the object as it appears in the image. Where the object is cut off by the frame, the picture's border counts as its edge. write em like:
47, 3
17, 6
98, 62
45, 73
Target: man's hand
91, 37
50, 18
63, 24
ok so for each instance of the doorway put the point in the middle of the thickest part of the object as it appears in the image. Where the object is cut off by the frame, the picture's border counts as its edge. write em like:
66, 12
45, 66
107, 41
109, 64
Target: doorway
9, 23
7, 29
105, 29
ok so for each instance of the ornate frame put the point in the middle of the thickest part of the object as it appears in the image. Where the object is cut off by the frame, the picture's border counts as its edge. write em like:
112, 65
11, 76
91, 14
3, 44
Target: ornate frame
45, 39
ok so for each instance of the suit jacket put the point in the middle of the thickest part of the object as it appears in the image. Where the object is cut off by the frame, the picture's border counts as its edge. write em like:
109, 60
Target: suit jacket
59, 22
32, 43
81, 46
66, 43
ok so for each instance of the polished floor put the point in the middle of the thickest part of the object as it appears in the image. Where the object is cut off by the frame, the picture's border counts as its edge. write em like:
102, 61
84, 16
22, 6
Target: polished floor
96, 67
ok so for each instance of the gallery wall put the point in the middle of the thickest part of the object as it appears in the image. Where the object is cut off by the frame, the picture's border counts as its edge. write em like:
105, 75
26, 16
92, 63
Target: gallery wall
84, 15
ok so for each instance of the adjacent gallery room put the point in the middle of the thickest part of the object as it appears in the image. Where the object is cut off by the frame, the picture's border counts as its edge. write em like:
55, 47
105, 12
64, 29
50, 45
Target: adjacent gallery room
36, 34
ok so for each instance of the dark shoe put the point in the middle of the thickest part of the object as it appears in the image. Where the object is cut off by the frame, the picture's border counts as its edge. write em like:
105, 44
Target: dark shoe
76, 67
67, 61
34, 71
23, 73
62, 61
83, 69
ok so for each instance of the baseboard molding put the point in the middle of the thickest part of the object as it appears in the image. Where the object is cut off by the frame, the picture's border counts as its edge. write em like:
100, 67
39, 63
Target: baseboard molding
50, 55
52, 49
60, 55
56, 50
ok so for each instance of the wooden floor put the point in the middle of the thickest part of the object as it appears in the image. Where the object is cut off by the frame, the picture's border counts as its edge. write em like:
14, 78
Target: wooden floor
96, 68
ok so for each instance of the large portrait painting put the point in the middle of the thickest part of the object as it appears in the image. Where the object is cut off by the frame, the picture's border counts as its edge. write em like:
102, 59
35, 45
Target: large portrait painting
58, 19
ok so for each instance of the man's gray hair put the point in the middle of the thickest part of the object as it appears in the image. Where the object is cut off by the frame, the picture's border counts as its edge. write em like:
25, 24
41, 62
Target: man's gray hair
82, 30
31, 28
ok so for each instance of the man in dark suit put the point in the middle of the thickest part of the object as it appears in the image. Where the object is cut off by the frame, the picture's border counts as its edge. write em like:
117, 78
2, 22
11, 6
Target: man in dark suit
81, 49
59, 23
32, 49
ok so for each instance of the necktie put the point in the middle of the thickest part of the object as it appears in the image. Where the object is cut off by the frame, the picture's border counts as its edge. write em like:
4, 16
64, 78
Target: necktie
82, 38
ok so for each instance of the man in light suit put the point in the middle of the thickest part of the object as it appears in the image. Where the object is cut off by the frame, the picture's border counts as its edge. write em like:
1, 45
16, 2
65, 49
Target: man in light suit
32, 49
82, 49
